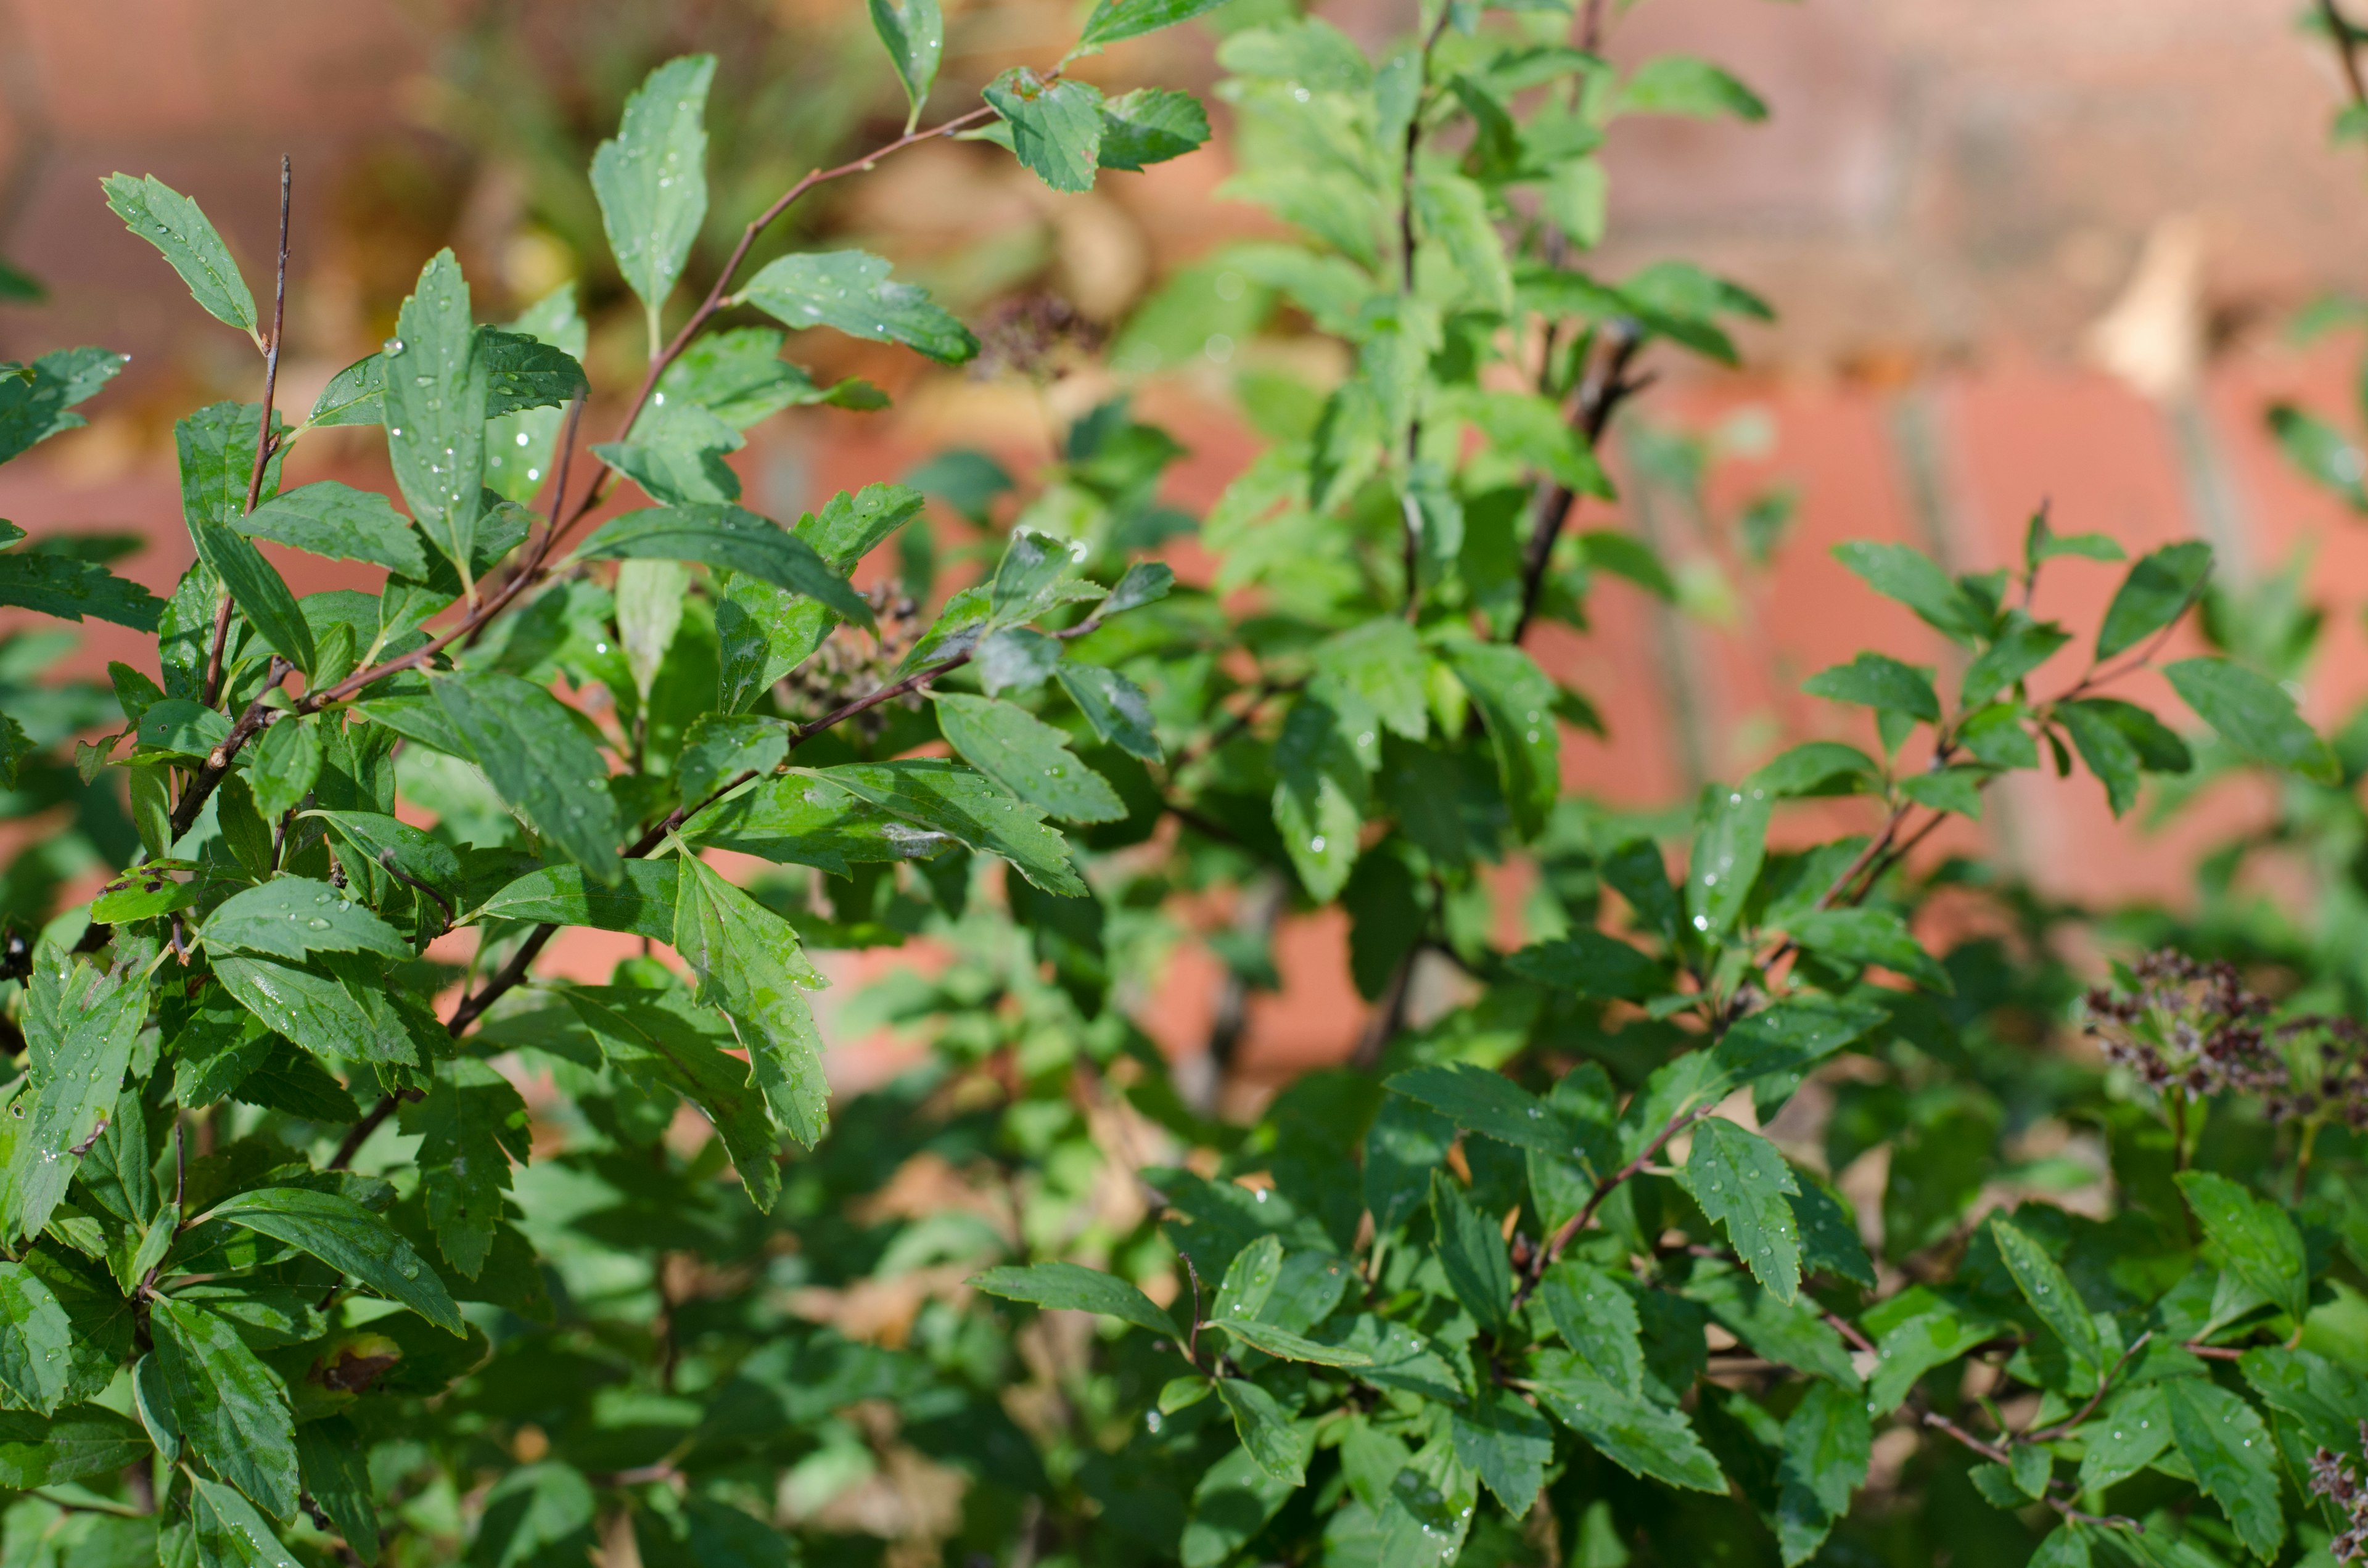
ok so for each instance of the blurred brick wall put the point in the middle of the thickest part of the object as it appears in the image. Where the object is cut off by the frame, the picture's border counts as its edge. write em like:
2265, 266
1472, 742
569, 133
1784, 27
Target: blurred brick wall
1950, 196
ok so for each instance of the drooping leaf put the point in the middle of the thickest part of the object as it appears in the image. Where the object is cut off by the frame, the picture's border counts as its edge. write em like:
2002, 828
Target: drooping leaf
334, 1462
540, 761
1730, 841
181, 232
347, 1237
1869, 937
723, 535
290, 918
1488, 1103
230, 1406
2257, 1240
651, 177
1279, 1448
664, 1035
2224, 1440
1827, 1442
1027, 756
1149, 126
332, 1009
2255, 715
1877, 681
851, 291
942, 798
227, 1531
80, 1026
338, 521
1470, 1253
64, 1329
1516, 703
1057, 126
1075, 1287
1114, 705
1507, 1444
2158, 587
1679, 83
470, 1126
642, 902
260, 592
80, 1441
749, 965
1641, 1437
1320, 791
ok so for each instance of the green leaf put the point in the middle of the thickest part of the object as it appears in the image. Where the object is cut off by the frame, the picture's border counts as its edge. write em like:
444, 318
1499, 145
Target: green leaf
2254, 714
722, 534
1509, 1444
70, 589
321, 1008
342, 523
1730, 841
2323, 453
651, 177
538, 761
80, 1026
64, 1330
1380, 666
1488, 1103
1072, 1286
1231, 1503
662, 1034
437, 396
260, 592
1914, 579
537, 358
1288, 1346
1827, 1443
1470, 1253
2157, 592
1597, 1319
1869, 937
2122, 1441
1880, 682
290, 917
642, 902
1277, 1445
1117, 19
1642, 1438
230, 1407
750, 966
1516, 701
1789, 1334
1027, 756
1590, 964
1057, 127
2257, 1240
373, 837
335, 1463
349, 1238
1830, 1242
1320, 794
34, 400
283, 764
852, 290
1455, 214
538, 1516
1149, 126
2022, 648
1816, 768
800, 819
1678, 84
675, 452
914, 33
2223, 1437
471, 1125
944, 798
1249, 1280
1740, 1180
2064, 1547
1034, 575
229, 1533
82, 1440
2107, 752
1114, 705
180, 232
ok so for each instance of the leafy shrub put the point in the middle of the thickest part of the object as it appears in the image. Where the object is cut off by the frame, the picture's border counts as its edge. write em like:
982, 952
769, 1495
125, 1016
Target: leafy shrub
1558, 1271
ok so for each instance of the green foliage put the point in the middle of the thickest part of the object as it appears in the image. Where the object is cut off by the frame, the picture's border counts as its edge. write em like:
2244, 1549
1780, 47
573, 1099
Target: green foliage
321, 1241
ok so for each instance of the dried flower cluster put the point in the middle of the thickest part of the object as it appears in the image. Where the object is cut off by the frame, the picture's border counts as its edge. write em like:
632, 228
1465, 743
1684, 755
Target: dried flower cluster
2326, 1060
2331, 1477
2188, 1024
852, 664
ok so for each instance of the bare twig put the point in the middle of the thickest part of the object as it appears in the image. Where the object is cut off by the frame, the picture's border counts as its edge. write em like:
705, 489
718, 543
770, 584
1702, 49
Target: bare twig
1606, 387
217, 764
2104, 1386
1551, 1253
